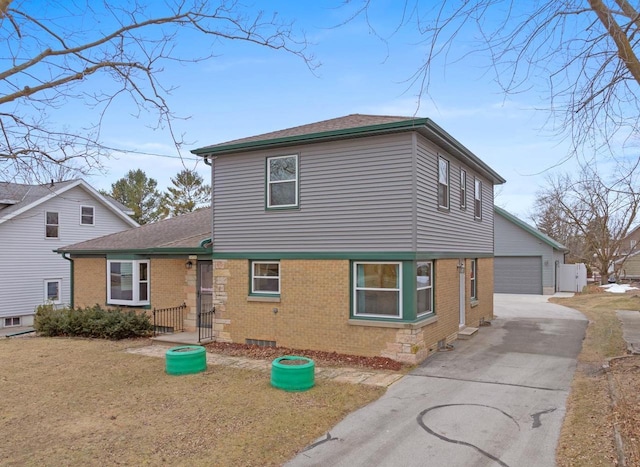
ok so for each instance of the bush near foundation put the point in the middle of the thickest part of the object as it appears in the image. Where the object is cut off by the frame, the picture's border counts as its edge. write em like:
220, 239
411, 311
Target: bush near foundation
91, 322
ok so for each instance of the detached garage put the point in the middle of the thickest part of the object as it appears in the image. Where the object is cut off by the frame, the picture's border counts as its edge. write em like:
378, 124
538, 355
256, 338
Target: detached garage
526, 260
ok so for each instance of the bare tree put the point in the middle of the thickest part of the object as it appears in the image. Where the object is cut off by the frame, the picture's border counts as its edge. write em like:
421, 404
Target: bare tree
598, 213
583, 55
95, 53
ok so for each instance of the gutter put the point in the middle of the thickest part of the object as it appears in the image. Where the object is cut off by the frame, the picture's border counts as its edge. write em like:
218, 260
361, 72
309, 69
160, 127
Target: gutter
70, 275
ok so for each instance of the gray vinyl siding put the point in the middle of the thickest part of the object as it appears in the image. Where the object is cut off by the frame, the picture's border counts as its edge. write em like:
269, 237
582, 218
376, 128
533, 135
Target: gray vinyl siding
354, 195
512, 240
454, 229
26, 256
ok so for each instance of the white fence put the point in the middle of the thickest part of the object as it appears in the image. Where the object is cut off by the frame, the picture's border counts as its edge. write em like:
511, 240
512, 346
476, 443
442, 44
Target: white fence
572, 277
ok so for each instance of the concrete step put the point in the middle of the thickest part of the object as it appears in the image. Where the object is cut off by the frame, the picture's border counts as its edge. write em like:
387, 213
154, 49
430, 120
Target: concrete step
467, 333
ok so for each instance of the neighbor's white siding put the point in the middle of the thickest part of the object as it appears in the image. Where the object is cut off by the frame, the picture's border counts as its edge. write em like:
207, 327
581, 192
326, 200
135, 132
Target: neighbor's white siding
27, 258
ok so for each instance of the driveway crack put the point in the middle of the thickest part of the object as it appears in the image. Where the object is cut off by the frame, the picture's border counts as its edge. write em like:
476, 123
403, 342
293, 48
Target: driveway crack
498, 383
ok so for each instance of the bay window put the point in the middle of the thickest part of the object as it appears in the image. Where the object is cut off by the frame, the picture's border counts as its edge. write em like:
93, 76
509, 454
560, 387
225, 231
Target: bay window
377, 290
128, 282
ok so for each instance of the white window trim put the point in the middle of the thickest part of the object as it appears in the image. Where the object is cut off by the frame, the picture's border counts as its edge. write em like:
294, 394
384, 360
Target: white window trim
430, 287
463, 189
12, 325
279, 277
356, 288
270, 182
448, 184
46, 224
46, 291
477, 196
93, 215
473, 280
135, 301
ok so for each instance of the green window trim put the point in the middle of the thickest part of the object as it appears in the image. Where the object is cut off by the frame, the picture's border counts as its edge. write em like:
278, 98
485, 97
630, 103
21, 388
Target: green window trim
408, 296
444, 184
264, 278
282, 179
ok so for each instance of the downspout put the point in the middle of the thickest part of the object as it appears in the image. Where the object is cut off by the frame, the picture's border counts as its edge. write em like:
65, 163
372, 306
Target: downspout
70, 275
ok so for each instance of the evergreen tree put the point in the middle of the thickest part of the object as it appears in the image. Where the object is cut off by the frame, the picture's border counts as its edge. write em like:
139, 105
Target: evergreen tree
140, 194
187, 194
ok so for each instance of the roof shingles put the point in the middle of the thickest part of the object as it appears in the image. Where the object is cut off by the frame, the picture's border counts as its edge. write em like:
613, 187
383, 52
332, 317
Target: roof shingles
185, 231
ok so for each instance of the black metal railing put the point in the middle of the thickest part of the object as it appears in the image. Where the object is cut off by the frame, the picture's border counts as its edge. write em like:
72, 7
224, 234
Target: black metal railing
205, 322
168, 320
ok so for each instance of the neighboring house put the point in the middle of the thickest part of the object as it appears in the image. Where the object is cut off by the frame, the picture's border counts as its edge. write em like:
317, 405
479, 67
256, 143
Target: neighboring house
526, 260
631, 243
368, 235
159, 265
34, 221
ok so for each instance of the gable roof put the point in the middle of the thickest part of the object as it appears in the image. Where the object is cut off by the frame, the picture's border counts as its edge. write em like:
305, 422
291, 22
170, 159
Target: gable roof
16, 198
180, 234
532, 230
352, 126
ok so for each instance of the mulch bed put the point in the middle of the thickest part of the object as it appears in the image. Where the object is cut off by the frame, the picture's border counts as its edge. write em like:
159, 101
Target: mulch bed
320, 358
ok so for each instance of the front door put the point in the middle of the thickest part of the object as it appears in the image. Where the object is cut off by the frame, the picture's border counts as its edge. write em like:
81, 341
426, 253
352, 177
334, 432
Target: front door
461, 271
205, 292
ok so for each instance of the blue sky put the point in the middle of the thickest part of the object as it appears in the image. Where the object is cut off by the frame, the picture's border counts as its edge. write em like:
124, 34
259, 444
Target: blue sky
248, 90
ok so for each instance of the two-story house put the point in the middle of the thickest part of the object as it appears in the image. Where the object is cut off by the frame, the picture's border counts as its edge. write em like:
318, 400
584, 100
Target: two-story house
34, 221
367, 235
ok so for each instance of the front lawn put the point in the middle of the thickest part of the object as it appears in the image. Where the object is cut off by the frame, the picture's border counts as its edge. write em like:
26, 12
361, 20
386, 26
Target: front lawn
87, 402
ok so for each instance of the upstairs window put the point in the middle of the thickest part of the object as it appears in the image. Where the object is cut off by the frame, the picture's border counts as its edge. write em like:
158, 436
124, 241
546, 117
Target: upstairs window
128, 282
443, 183
51, 228
265, 277
282, 182
463, 189
477, 205
87, 215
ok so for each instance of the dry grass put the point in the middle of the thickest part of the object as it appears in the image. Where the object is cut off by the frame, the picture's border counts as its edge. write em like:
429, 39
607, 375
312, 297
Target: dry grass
87, 402
587, 434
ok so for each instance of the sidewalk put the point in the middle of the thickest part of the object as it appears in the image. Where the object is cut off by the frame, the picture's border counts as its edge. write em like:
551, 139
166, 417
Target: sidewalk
630, 329
338, 374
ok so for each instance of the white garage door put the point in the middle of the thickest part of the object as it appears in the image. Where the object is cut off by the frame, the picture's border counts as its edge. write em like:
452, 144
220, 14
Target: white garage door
518, 274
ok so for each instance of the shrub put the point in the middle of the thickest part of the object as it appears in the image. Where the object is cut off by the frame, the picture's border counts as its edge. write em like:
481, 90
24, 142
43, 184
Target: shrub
91, 322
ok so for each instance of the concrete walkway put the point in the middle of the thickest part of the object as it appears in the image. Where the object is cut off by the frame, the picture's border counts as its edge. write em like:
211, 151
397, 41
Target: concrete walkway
630, 329
340, 375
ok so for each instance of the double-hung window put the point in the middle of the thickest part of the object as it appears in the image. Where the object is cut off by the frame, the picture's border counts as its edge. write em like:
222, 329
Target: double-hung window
463, 189
87, 215
477, 199
128, 282
282, 182
424, 287
52, 291
52, 226
377, 290
265, 277
474, 279
443, 183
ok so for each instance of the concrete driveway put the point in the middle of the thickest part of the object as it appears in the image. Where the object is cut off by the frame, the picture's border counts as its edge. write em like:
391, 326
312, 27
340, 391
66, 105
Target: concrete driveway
497, 399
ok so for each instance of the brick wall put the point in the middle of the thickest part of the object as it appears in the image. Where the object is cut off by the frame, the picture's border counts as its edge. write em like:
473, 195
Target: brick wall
313, 310
90, 282
483, 308
171, 284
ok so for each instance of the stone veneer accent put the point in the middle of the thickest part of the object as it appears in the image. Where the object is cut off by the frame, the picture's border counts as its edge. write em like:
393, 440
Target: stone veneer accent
312, 311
